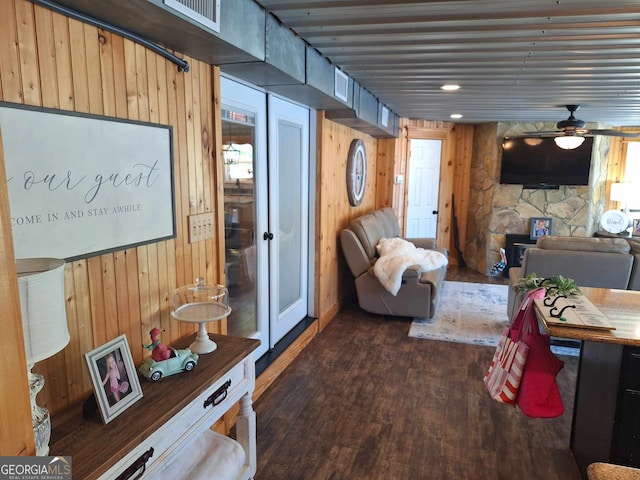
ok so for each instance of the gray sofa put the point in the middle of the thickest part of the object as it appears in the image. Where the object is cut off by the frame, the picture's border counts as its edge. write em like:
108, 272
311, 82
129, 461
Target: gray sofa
589, 261
419, 294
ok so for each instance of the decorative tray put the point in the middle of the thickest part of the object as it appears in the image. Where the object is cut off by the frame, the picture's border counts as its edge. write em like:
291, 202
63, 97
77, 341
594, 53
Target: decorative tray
573, 311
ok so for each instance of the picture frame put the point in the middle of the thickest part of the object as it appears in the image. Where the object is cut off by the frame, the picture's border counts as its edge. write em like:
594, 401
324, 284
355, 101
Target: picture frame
114, 377
635, 230
539, 227
90, 185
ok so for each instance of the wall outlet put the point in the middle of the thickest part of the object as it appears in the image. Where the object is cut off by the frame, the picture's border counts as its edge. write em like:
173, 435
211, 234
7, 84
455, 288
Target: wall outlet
200, 226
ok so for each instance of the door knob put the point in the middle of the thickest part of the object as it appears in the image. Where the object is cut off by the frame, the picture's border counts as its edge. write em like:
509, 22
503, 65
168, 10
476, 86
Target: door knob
435, 212
267, 236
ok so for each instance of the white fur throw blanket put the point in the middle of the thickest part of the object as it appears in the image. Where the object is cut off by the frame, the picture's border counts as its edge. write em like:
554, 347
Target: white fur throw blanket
396, 255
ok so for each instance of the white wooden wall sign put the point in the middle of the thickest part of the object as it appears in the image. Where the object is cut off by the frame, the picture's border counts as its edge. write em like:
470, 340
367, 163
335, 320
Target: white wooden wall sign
81, 185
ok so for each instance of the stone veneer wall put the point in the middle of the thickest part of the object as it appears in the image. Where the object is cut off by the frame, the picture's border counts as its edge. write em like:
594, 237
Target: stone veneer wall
495, 210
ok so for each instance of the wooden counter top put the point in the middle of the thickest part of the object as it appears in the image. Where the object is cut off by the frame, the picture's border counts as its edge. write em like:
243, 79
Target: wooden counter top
607, 471
621, 307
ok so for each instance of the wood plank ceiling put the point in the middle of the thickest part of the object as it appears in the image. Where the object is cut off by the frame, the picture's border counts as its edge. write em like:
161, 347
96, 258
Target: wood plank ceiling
517, 60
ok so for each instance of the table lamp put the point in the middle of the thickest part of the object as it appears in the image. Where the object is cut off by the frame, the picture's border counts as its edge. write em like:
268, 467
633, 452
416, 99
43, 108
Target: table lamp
621, 192
44, 324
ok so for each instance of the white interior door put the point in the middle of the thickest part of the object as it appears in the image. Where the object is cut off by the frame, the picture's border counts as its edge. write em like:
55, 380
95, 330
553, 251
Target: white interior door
288, 215
423, 182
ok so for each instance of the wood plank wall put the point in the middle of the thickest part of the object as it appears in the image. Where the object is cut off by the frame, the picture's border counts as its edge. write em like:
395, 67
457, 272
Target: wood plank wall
334, 283
51, 61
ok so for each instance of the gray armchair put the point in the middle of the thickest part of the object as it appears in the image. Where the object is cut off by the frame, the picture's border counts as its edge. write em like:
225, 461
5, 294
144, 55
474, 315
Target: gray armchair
419, 294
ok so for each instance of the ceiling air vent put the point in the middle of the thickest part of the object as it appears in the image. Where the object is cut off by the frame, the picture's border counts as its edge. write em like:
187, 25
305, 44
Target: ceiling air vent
341, 86
205, 12
385, 117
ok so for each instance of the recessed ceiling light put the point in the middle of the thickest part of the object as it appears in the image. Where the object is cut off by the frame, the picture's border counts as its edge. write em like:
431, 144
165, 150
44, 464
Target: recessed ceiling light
456, 115
450, 87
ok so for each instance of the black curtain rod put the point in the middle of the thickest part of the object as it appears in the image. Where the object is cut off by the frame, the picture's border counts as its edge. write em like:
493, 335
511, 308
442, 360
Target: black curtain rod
183, 65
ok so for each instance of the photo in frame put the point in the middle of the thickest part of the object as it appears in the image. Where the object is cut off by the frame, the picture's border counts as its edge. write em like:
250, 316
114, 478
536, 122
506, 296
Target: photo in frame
635, 230
114, 377
539, 227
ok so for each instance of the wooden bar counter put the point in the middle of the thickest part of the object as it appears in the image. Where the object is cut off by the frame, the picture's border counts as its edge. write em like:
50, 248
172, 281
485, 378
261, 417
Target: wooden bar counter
607, 399
621, 307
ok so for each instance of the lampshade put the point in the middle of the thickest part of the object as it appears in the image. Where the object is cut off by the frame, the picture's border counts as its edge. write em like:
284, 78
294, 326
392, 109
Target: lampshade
568, 142
620, 192
42, 302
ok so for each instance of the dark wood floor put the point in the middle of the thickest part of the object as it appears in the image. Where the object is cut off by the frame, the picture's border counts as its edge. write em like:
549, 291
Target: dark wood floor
457, 274
365, 401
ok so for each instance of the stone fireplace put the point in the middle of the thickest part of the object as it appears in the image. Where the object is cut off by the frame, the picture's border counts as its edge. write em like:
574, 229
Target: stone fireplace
496, 210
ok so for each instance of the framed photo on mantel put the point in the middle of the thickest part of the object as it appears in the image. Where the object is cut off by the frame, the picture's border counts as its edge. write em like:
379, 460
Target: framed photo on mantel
81, 185
539, 227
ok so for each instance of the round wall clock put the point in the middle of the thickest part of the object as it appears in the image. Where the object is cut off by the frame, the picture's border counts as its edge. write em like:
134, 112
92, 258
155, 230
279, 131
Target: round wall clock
356, 172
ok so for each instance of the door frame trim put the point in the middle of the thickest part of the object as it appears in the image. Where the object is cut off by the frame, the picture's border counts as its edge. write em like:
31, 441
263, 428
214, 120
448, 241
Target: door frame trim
445, 188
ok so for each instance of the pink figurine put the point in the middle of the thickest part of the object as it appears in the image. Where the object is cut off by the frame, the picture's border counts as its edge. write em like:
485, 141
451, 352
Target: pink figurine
158, 349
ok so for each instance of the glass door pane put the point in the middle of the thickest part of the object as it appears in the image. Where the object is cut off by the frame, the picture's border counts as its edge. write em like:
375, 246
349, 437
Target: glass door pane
290, 204
238, 141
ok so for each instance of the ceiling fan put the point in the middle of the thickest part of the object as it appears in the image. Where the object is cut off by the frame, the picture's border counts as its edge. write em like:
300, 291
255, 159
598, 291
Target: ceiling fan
570, 132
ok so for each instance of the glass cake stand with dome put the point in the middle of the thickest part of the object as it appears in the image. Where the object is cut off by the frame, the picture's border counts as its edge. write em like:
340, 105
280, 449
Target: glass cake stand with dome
201, 303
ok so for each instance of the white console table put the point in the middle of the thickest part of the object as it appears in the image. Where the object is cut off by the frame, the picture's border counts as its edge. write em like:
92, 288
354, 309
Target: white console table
173, 411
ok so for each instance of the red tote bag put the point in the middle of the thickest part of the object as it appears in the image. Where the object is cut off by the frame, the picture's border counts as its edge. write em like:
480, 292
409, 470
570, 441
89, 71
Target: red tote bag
505, 372
538, 395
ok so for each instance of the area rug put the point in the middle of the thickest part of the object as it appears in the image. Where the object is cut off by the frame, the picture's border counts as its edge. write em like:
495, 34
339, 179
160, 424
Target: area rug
472, 313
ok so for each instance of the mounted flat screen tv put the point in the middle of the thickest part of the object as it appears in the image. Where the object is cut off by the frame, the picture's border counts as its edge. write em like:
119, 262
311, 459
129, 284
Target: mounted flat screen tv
537, 162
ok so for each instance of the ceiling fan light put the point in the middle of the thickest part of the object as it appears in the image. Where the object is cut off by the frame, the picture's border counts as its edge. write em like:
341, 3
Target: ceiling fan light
568, 142
533, 141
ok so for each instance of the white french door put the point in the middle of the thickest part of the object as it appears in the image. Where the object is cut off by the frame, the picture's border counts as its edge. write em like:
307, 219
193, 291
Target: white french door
266, 212
244, 140
422, 194
288, 214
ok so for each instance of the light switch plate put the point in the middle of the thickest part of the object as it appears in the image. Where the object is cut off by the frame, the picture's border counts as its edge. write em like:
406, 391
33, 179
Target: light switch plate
200, 226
